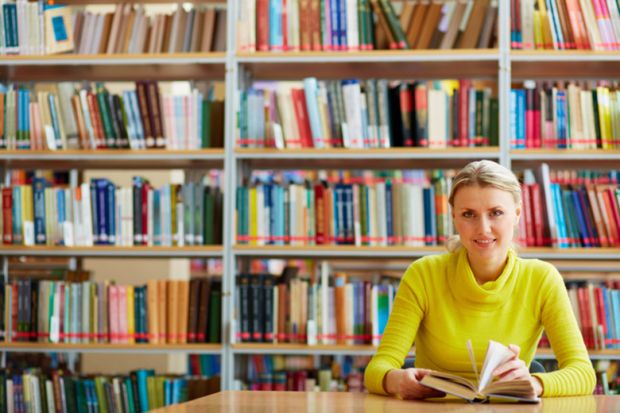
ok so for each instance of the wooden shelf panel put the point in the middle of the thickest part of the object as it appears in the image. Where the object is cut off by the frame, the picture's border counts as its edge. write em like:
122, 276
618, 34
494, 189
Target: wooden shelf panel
350, 251
202, 348
338, 158
113, 251
121, 67
114, 159
290, 348
550, 64
565, 158
392, 64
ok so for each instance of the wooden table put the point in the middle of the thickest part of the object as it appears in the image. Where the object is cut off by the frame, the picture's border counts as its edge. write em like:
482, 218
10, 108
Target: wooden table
300, 402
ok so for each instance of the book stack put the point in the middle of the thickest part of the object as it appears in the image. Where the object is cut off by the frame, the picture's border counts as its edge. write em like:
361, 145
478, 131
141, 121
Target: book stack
349, 25
298, 210
565, 115
160, 312
368, 114
597, 310
102, 213
67, 115
62, 391
578, 208
565, 24
299, 373
290, 309
131, 28
35, 28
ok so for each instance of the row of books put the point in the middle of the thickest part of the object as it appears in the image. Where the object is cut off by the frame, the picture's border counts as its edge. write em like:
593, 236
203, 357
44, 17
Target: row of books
67, 115
133, 28
597, 309
34, 28
102, 213
339, 25
410, 208
32, 390
368, 114
204, 365
300, 373
162, 311
295, 310
581, 209
565, 115
565, 24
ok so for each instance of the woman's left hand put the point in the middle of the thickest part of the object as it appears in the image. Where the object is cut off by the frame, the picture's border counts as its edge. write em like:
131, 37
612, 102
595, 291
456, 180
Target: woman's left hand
516, 369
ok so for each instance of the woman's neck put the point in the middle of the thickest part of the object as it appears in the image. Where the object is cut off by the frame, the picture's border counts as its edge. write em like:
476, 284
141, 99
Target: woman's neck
487, 270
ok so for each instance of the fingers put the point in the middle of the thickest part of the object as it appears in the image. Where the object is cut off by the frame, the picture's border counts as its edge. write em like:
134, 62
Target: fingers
511, 370
515, 349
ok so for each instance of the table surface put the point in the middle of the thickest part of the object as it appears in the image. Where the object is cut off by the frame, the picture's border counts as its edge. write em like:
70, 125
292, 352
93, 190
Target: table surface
342, 402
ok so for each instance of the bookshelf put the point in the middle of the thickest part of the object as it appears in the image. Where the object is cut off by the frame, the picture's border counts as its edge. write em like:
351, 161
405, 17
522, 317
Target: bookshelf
236, 68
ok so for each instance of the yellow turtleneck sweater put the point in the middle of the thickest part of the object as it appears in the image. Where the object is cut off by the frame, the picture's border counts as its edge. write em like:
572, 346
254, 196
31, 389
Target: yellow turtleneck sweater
439, 305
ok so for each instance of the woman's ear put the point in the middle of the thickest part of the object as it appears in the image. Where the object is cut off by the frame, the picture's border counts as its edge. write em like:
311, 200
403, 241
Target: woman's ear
518, 213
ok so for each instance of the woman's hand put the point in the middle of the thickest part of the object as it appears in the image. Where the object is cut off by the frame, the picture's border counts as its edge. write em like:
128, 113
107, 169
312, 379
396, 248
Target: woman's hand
516, 369
406, 384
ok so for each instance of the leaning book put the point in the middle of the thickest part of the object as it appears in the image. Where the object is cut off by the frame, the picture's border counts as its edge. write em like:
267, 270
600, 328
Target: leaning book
485, 389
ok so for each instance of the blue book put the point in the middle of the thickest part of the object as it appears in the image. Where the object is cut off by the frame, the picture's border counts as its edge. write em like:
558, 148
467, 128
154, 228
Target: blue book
137, 120
100, 208
339, 213
61, 209
143, 394
276, 38
167, 392
388, 213
616, 308
157, 234
342, 24
559, 216
268, 206
17, 215
514, 119
130, 396
111, 211
335, 22
130, 124
311, 92
561, 116
583, 230
430, 225
587, 215
521, 107
350, 227
607, 308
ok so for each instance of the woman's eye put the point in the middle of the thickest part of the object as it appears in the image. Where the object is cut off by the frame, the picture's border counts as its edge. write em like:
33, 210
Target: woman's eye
467, 214
497, 213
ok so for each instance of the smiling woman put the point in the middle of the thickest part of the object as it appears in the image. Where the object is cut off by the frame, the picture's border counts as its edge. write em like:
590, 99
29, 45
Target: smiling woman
480, 291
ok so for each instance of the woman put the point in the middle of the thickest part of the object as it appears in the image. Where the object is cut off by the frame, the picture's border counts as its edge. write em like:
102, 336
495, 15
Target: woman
481, 290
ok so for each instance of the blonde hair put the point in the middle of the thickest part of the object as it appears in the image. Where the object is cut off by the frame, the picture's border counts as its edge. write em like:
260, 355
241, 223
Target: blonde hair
484, 174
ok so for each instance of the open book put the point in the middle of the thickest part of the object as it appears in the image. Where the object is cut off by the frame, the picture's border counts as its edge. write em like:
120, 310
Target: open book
486, 388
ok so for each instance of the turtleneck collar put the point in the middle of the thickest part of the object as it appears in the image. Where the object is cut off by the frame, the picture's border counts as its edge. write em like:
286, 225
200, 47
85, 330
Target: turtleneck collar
489, 295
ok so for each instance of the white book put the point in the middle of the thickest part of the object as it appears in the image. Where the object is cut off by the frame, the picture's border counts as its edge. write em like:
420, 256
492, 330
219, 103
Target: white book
87, 219
527, 24
93, 48
49, 393
353, 113
381, 217
10, 396
352, 25
150, 218
437, 120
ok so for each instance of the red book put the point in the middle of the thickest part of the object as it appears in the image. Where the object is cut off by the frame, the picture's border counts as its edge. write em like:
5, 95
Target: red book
611, 198
584, 316
537, 132
262, 25
529, 118
7, 215
464, 86
301, 116
95, 118
600, 308
537, 215
527, 216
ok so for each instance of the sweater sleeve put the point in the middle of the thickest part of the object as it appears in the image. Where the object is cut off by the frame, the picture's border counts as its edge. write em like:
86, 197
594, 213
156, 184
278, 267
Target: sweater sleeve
575, 375
400, 331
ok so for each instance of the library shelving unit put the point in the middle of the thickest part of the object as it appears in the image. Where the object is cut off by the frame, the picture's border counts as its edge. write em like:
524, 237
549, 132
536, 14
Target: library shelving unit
501, 64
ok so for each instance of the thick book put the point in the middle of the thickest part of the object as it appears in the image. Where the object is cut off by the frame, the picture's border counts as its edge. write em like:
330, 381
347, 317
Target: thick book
485, 389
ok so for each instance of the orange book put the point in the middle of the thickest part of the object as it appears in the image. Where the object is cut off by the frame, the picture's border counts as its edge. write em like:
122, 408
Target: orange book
206, 45
152, 300
429, 25
162, 308
183, 316
469, 39
416, 22
105, 35
173, 311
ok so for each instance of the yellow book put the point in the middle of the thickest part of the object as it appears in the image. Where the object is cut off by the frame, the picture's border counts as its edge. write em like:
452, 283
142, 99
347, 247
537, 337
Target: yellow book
27, 215
485, 389
539, 40
131, 326
604, 116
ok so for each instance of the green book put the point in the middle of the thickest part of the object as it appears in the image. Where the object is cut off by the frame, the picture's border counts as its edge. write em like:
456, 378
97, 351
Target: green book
101, 395
209, 214
394, 23
493, 122
106, 117
215, 310
151, 391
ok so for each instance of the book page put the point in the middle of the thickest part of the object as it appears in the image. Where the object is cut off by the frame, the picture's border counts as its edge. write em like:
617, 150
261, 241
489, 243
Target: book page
472, 358
497, 354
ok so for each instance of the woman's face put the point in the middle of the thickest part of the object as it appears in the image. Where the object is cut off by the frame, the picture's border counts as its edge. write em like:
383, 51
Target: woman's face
485, 218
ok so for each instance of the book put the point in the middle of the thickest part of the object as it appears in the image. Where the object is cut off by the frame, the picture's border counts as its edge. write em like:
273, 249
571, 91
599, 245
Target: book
485, 388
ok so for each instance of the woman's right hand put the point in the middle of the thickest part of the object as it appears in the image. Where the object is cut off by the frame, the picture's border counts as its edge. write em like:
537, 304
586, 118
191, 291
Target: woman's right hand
406, 384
